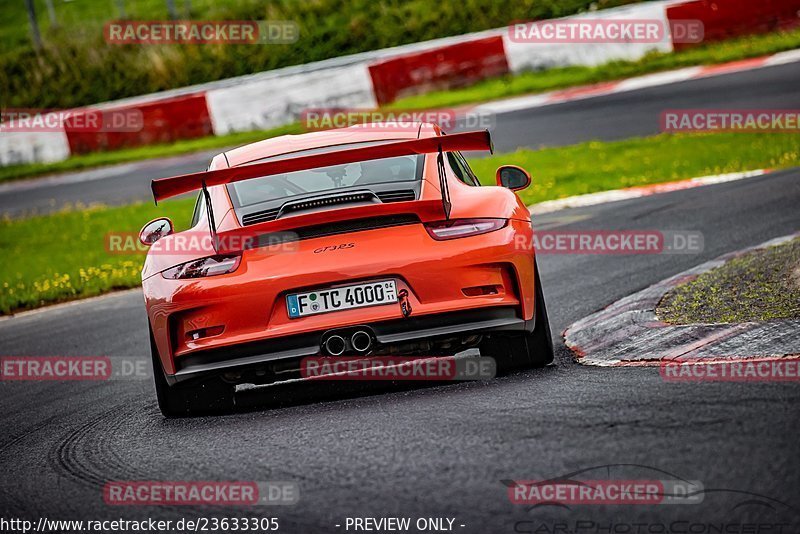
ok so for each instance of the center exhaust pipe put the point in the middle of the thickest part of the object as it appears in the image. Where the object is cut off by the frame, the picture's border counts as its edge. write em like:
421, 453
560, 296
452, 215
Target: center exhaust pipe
361, 341
335, 345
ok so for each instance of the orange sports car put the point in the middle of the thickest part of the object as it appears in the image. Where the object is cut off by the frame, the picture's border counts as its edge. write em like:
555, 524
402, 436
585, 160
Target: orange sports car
369, 240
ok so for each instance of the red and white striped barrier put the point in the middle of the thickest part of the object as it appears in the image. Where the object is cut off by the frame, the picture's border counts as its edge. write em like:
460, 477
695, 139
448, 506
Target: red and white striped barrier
275, 98
160, 121
724, 19
444, 67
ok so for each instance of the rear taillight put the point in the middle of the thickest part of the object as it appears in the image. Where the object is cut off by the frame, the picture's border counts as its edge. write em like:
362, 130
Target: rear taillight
456, 228
210, 266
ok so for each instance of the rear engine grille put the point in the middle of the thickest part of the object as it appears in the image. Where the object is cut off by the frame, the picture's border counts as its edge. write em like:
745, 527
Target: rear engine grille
398, 195
260, 216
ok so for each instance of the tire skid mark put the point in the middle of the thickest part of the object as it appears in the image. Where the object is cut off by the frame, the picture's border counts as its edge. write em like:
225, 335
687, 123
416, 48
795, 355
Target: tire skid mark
87, 456
44, 424
97, 438
13, 495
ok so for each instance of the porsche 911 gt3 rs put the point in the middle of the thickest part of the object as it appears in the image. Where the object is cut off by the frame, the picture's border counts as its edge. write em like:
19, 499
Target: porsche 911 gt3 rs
370, 240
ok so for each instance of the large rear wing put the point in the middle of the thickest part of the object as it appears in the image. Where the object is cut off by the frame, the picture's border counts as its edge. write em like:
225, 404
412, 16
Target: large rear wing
170, 187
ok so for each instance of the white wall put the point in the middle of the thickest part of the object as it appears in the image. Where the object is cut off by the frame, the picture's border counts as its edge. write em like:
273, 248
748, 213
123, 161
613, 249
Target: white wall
33, 147
540, 56
267, 102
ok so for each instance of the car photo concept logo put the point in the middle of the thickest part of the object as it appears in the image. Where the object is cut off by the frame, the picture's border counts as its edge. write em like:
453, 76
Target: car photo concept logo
572, 503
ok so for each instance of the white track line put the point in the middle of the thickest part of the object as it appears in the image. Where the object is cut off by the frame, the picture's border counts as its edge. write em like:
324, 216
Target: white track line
603, 197
632, 84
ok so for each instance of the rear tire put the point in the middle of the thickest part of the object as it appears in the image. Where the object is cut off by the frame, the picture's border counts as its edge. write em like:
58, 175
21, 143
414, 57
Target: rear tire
526, 350
196, 398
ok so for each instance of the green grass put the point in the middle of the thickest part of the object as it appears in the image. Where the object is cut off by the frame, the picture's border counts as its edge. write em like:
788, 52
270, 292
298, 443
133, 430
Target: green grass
99, 159
77, 19
63, 256
759, 286
537, 82
596, 166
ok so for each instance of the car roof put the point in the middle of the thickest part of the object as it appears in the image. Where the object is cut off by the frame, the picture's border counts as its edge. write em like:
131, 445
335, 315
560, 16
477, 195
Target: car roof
286, 144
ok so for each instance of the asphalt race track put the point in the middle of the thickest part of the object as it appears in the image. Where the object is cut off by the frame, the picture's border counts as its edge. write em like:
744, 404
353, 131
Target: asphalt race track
439, 451
637, 113
612, 117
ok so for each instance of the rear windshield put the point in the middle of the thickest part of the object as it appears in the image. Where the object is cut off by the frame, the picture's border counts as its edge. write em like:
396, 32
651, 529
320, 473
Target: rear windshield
362, 174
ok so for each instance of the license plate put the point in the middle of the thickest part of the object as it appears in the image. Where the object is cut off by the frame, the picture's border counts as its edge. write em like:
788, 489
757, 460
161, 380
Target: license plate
341, 298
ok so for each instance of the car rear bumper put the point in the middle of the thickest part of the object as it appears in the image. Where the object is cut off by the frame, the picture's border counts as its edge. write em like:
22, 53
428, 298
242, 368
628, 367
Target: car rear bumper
270, 357
247, 308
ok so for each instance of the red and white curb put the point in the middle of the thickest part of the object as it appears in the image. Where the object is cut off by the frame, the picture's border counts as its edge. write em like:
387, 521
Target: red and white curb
628, 332
632, 84
363, 81
602, 197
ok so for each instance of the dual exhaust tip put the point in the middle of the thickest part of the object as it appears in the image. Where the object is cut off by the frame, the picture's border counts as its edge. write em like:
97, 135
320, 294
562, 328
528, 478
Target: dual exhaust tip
336, 345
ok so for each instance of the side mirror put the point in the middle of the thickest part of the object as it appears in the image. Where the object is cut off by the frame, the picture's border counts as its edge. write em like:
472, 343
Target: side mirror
155, 230
513, 177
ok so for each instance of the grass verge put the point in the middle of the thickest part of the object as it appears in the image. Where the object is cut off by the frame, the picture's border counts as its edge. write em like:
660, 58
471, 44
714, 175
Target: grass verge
596, 166
519, 84
560, 78
63, 256
759, 286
